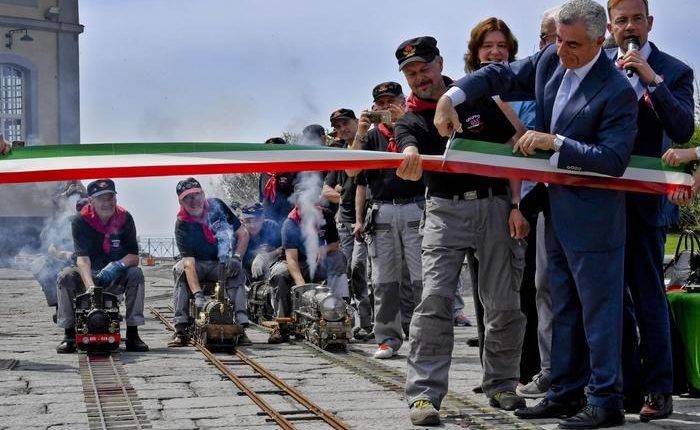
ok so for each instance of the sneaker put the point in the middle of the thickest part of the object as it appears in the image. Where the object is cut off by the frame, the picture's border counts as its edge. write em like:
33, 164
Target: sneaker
534, 389
507, 400
384, 351
423, 413
462, 321
656, 406
244, 340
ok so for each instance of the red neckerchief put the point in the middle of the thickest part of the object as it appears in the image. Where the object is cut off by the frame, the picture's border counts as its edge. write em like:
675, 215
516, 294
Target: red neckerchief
270, 191
295, 215
203, 220
414, 104
115, 223
383, 129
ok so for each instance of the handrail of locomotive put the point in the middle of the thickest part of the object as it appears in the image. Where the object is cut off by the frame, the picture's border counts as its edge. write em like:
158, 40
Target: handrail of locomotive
273, 413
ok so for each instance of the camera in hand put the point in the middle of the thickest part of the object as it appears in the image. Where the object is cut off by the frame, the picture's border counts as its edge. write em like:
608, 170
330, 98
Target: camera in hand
379, 116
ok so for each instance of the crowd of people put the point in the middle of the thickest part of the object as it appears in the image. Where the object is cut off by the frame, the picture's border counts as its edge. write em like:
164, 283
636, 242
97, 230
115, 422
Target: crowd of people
567, 281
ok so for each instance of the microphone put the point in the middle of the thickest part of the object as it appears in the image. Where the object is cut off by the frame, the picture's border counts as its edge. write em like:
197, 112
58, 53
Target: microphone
632, 44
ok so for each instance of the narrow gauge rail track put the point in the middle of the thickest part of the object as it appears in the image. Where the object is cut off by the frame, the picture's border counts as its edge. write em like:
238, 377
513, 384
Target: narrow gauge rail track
280, 417
456, 408
110, 399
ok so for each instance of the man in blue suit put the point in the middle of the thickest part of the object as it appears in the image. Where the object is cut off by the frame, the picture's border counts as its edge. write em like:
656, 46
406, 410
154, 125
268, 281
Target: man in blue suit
586, 115
664, 88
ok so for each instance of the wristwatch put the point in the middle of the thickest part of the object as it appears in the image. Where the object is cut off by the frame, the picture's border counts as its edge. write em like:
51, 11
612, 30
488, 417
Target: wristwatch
697, 152
558, 142
655, 82
515, 205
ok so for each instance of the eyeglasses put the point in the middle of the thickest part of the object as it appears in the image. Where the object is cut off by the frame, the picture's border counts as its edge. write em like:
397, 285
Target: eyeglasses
544, 37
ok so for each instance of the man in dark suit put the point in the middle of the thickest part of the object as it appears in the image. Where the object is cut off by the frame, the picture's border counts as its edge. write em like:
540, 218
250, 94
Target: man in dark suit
586, 114
664, 88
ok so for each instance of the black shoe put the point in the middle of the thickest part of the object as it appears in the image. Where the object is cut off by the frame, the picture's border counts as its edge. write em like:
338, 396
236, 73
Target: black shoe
473, 342
594, 417
506, 400
549, 409
244, 340
136, 345
632, 403
66, 347
656, 406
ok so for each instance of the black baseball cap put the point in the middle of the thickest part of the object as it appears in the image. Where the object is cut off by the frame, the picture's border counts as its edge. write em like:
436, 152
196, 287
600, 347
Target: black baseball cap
423, 49
187, 186
390, 88
101, 186
252, 210
314, 130
275, 141
342, 113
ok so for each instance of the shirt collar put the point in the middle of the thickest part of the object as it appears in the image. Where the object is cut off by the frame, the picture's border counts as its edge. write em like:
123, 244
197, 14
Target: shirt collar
582, 71
645, 50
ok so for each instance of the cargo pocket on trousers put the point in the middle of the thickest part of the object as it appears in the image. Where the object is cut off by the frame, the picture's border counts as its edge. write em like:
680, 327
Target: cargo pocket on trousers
517, 261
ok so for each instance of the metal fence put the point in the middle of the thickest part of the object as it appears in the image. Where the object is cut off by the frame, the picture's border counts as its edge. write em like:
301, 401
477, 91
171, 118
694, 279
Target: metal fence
159, 247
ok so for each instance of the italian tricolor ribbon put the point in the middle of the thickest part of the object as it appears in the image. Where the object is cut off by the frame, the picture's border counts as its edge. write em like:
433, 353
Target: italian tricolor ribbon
125, 160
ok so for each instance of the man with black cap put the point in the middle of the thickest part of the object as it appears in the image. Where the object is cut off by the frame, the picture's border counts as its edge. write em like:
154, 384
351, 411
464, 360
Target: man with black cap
350, 194
462, 211
275, 188
107, 255
208, 236
264, 243
395, 210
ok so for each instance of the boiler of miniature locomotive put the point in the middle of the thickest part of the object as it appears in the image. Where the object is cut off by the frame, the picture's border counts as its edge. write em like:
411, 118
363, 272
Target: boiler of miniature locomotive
321, 316
97, 321
259, 302
214, 324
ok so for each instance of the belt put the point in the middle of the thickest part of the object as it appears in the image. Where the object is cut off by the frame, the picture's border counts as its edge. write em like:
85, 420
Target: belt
479, 193
403, 201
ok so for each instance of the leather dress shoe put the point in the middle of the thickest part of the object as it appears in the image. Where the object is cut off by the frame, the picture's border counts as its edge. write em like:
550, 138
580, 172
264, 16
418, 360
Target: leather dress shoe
136, 345
549, 409
66, 347
656, 406
594, 417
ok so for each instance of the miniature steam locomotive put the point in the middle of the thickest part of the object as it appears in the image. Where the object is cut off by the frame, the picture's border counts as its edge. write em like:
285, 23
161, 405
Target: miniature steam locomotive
97, 321
260, 302
320, 316
214, 324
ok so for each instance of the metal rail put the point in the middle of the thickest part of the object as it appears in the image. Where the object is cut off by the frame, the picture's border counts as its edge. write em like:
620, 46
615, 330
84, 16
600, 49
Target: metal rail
276, 415
111, 401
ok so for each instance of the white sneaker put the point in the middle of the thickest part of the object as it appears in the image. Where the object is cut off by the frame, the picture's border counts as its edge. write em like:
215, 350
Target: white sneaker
384, 351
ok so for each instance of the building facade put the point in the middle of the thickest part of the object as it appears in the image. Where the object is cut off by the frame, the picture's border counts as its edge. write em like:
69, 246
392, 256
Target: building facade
39, 71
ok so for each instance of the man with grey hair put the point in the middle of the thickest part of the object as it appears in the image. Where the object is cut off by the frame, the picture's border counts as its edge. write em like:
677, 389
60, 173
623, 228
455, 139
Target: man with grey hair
548, 27
586, 118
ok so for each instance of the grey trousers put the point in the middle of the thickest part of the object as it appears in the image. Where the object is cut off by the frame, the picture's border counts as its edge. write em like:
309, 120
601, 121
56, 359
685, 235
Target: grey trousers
207, 271
356, 255
70, 285
543, 300
452, 226
396, 234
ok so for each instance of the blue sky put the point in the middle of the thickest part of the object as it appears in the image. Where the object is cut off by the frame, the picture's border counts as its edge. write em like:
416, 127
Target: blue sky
242, 71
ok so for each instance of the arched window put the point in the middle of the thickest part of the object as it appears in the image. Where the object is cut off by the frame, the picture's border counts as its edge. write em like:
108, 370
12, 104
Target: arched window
12, 102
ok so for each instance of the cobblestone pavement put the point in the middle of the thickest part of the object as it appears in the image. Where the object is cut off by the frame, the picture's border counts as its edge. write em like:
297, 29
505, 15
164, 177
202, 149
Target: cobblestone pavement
179, 390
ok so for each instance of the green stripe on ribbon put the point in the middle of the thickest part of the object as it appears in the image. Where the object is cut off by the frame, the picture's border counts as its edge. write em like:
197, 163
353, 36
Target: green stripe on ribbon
95, 149
637, 161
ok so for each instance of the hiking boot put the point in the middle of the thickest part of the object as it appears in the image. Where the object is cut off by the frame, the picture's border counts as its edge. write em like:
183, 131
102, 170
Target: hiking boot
462, 321
67, 346
244, 340
534, 389
656, 406
507, 400
423, 413
178, 340
384, 351
135, 344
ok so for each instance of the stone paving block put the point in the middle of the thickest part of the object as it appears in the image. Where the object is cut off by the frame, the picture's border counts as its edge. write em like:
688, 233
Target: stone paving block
28, 410
206, 402
179, 424
201, 413
161, 394
59, 408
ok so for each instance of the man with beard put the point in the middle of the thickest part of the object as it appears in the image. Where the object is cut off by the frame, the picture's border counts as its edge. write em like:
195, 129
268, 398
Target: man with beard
462, 211
396, 208
106, 255
210, 240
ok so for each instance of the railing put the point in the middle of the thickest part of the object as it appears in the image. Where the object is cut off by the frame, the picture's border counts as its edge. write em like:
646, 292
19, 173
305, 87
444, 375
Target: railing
158, 247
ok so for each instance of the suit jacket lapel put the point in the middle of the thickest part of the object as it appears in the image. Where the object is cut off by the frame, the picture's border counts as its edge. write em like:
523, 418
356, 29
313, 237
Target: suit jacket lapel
550, 94
591, 85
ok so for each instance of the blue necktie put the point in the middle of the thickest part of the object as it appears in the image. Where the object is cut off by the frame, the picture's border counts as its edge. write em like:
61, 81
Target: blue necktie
562, 97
